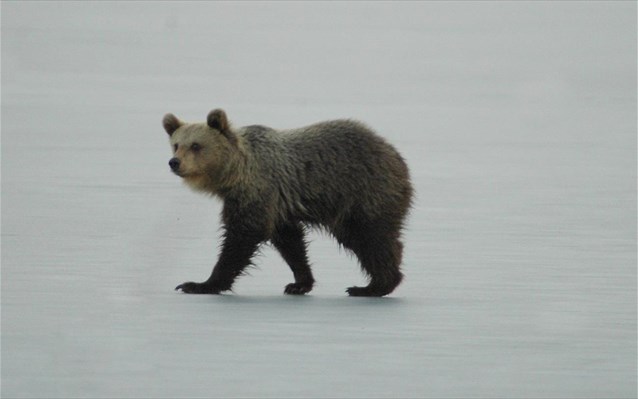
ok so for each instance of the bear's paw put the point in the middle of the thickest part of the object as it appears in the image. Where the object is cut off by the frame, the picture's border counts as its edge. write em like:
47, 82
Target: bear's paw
297, 288
197, 288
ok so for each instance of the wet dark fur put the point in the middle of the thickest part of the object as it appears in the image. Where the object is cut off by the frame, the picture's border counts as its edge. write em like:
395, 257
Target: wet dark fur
337, 175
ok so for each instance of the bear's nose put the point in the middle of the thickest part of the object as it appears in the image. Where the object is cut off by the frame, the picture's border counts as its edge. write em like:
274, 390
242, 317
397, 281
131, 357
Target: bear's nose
174, 163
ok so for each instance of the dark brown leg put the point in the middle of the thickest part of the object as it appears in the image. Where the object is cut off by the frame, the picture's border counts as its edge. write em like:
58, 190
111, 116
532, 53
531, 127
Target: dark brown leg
379, 251
237, 251
290, 242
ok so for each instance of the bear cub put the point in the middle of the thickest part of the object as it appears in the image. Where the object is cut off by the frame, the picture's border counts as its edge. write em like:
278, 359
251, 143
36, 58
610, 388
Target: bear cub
337, 175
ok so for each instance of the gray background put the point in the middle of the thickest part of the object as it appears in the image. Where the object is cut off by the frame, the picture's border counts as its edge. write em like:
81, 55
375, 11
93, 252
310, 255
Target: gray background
518, 121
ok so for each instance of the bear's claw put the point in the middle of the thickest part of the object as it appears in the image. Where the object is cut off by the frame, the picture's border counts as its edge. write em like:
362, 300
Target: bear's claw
196, 288
367, 291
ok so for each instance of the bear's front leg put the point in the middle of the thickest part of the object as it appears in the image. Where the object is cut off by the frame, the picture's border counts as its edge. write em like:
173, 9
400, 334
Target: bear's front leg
289, 241
237, 250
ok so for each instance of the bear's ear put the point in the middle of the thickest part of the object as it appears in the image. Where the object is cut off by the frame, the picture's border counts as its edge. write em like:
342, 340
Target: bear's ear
217, 120
171, 123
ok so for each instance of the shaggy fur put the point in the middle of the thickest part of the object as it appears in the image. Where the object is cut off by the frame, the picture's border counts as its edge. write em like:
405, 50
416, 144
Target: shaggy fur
336, 175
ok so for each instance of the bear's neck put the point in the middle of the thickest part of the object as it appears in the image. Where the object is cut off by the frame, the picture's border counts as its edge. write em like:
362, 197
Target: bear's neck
232, 175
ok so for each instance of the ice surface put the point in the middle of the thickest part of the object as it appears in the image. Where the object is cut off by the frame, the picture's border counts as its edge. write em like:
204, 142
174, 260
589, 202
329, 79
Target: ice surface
518, 121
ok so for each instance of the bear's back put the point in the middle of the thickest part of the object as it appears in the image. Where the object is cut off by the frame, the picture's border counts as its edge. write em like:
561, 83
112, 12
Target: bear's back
329, 166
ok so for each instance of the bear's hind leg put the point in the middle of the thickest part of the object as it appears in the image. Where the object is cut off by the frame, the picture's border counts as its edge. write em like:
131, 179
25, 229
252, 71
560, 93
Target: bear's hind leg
379, 252
289, 240
381, 262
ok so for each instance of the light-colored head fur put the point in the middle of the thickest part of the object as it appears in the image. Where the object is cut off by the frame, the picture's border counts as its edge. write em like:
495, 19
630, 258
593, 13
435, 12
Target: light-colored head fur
210, 156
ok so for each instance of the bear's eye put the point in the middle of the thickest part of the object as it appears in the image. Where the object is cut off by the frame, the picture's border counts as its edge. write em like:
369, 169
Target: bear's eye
195, 147
175, 147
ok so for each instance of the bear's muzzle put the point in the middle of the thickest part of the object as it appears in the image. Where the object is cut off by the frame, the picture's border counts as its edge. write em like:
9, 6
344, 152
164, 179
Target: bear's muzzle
174, 164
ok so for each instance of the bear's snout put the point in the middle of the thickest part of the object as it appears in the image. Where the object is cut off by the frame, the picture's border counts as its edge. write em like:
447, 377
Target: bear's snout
174, 164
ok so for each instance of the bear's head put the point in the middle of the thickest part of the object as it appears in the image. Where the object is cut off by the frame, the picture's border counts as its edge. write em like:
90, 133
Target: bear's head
203, 153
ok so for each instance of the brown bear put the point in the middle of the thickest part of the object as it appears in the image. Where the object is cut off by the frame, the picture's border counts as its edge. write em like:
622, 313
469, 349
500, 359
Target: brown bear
337, 175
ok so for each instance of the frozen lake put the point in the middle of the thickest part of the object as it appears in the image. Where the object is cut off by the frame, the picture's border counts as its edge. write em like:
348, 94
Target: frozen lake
518, 121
